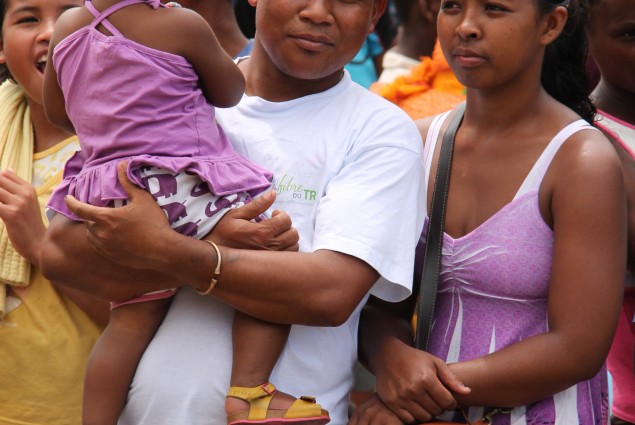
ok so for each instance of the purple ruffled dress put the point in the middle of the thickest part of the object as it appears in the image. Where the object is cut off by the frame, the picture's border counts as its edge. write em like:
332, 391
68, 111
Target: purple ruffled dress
134, 103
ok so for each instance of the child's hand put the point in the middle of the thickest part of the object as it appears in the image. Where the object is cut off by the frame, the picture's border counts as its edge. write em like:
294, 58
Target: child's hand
237, 230
20, 211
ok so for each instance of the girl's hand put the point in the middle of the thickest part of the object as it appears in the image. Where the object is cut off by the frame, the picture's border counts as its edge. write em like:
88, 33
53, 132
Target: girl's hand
236, 230
20, 211
374, 412
417, 386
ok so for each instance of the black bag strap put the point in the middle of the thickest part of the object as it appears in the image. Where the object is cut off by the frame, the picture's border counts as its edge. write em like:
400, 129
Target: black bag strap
434, 241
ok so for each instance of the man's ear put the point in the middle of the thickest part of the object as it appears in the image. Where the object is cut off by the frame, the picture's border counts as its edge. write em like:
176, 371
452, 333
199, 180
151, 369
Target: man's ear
554, 23
379, 7
253, 2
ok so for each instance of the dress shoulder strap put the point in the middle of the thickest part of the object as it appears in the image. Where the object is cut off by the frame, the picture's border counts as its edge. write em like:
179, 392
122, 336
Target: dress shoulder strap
535, 176
101, 17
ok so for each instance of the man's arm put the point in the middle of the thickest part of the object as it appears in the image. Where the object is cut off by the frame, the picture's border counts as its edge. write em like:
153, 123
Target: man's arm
285, 287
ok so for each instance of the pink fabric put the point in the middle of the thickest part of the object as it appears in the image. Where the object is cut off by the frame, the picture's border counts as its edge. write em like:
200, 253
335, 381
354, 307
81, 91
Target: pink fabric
621, 360
151, 296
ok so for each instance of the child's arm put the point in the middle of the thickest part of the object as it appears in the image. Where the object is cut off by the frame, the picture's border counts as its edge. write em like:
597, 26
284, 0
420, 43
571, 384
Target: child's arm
54, 104
221, 81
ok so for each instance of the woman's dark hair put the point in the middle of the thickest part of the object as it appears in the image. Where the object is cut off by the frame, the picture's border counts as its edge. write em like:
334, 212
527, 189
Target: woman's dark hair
563, 71
4, 71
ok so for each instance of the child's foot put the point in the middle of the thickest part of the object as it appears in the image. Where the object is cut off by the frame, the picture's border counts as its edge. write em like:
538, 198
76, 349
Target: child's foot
265, 404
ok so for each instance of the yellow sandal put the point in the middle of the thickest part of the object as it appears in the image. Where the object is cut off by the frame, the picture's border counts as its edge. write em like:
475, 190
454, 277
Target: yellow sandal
303, 411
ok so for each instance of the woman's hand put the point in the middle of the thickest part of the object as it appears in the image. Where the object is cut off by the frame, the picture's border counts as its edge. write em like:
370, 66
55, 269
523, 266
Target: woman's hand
417, 386
20, 211
374, 412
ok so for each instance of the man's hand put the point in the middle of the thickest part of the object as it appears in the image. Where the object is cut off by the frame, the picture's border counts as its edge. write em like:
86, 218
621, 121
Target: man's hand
237, 230
132, 235
20, 211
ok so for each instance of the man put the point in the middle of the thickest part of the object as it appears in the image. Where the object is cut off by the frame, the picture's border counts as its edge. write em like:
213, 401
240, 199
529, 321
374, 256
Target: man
347, 169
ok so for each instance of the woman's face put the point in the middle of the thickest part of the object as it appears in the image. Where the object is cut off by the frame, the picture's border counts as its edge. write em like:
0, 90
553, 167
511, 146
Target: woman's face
611, 33
489, 43
26, 32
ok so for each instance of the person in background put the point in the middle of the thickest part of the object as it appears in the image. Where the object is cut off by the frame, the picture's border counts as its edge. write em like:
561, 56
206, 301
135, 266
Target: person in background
610, 33
46, 330
535, 237
366, 65
416, 38
416, 76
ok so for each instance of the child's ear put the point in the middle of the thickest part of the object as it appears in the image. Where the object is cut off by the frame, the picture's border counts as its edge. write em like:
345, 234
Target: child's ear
554, 24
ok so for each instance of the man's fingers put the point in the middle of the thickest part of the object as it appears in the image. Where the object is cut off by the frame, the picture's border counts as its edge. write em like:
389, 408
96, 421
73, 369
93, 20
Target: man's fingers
84, 211
122, 174
256, 207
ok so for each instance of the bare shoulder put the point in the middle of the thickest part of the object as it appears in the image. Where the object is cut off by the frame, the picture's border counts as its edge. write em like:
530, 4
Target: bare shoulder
70, 21
587, 160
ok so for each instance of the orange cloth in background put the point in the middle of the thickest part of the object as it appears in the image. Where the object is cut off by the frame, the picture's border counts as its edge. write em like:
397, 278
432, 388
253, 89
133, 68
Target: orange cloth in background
428, 89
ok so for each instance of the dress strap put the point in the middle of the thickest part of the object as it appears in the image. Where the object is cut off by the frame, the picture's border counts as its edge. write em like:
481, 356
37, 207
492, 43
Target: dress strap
100, 17
535, 176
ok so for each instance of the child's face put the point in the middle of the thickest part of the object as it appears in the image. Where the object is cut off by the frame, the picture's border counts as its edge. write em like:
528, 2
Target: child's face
611, 33
26, 32
314, 39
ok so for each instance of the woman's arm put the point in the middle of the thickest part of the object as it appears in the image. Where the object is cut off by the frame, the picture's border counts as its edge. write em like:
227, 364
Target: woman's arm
412, 383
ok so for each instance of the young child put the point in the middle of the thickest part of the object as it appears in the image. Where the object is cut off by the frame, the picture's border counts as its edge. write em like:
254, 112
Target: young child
46, 330
610, 32
534, 244
131, 79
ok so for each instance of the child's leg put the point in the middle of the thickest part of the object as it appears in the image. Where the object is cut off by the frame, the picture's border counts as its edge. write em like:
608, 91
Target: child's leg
256, 348
114, 359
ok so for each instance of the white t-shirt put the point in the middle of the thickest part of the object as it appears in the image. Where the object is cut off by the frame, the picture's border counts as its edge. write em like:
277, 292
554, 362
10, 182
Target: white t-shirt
348, 169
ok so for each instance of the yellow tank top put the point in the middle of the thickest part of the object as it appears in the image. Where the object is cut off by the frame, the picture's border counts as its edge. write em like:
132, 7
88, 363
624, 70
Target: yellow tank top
45, 339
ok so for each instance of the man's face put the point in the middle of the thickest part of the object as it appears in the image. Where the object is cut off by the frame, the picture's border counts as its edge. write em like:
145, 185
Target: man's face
313, 39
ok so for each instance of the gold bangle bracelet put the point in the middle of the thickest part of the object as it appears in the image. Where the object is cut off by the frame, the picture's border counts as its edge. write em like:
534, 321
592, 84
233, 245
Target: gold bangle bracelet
216, 275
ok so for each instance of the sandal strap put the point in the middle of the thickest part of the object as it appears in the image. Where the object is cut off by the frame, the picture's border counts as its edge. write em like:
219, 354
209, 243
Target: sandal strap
252, 393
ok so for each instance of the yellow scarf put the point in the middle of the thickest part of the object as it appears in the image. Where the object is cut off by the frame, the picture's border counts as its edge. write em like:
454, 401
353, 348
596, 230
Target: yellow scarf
16, 152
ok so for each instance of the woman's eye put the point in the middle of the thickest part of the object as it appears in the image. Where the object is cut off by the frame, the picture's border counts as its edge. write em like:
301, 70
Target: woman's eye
495, 8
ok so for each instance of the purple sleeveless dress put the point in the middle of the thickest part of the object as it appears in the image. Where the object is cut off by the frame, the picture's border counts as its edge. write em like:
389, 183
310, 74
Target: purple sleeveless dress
493, 291
131, 102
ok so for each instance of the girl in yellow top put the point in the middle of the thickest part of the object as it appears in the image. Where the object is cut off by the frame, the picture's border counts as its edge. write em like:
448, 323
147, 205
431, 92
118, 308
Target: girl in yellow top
46, 331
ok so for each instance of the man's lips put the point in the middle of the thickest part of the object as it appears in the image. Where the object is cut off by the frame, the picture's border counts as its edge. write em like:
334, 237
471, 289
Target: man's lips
313, 42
